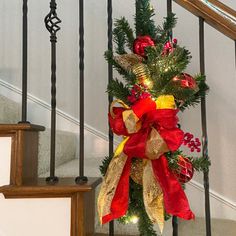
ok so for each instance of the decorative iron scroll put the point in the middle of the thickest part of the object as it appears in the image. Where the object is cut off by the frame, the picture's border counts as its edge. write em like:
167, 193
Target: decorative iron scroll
52, 24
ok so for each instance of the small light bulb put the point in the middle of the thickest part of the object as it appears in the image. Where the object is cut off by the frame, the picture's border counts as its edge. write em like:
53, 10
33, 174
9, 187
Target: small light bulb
134, 219
148, 83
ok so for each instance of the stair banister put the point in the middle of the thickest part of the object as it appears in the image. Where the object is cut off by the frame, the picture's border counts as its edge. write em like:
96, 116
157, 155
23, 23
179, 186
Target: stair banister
174, 218
52, 24
110, 77
81, 179
24, 61
204, 128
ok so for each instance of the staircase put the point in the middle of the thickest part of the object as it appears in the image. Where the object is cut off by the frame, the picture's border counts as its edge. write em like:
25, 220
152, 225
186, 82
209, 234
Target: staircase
27, 185
26, 161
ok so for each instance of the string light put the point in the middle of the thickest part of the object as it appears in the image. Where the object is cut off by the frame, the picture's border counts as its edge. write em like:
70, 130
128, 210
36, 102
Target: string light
134, 219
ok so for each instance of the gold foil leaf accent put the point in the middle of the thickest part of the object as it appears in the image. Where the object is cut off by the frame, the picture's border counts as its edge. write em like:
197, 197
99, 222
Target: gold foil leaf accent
127, 61
131, 121
155, 145
153, 196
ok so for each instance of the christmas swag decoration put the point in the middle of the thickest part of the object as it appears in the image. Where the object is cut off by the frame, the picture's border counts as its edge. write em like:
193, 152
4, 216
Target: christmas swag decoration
145, 176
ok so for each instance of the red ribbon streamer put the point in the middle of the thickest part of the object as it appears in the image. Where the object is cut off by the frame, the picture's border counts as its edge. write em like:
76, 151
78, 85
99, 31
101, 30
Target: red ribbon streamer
175, 200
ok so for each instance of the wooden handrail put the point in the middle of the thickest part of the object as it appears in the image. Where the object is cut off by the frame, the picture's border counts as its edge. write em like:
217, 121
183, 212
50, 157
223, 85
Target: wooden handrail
210, 16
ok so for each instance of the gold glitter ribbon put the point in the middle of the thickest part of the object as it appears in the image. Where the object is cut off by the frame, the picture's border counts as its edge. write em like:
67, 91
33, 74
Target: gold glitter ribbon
153, 196
111, 180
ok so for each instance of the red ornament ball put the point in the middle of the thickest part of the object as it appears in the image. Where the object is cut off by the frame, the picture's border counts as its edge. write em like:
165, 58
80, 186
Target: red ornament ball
141, 43
186, 81
184, 172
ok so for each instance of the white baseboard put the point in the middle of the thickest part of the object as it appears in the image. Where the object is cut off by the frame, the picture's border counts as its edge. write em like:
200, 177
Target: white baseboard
221, 207
96, 145
96, 142
14, 93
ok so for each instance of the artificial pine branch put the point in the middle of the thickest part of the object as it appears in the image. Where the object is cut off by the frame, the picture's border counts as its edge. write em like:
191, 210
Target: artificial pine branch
163, 68
201, 163
129, 77
164, 31
137, 207
104, 166
196, 98
118, 90
123, 35
119, 39
144, 23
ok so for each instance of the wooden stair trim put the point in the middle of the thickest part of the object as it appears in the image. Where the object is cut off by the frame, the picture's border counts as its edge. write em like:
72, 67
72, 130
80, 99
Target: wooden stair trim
66, 187
223, 7
24, 151
82, 196
10, 128
214, 19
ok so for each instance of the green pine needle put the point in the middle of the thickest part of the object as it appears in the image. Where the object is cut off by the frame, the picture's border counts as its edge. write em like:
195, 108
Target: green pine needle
123, 35
118, 90
164, 32
144, 23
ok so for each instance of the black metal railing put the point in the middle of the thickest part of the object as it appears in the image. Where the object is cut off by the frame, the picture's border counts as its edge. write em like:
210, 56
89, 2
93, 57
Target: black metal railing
52, 24
204, 128
24, 61
110, 77
174, 218
81, 179
204, 131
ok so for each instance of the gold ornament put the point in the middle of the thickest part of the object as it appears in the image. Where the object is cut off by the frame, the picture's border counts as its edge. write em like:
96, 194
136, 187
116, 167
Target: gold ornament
142, 73
155, 145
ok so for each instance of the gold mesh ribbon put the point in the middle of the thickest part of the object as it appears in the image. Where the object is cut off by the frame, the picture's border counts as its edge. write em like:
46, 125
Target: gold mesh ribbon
155, 145
131, 121
153, 196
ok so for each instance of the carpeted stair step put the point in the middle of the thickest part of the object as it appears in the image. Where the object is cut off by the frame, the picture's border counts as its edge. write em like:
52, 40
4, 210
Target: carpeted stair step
66, 142
66, 145
9, 111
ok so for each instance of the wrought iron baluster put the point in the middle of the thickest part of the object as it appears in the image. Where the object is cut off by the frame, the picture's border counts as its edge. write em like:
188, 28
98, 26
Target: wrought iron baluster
235, 52
24, 61
110, 77
169, 11
81, 179
174, 218
204, 128
52, 24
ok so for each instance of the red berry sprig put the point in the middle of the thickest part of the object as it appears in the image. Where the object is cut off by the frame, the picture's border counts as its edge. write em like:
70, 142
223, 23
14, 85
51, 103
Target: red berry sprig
192, 143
